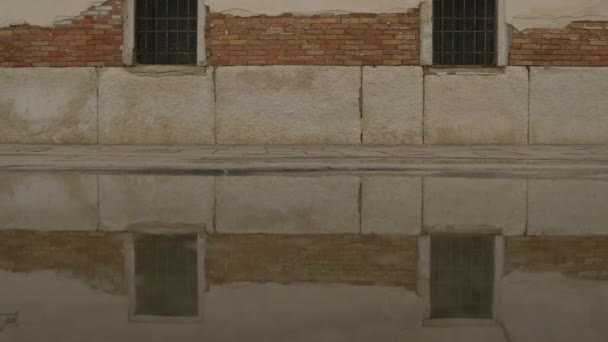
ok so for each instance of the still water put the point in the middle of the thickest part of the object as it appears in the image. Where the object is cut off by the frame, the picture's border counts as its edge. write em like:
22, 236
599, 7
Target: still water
340, 257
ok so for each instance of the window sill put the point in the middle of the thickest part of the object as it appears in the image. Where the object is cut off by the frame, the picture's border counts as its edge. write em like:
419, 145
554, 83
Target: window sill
167, 70
459, 322
464, 70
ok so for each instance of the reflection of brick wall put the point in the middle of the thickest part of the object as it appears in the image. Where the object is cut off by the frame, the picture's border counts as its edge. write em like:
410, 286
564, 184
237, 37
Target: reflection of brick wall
92, 39
344, 259
353, 39
93, 257
580, 43
581, 257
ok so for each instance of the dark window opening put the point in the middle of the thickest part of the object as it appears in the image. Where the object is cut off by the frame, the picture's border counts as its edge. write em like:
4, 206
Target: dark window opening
166, 275
166, 31
462, 276
464, 32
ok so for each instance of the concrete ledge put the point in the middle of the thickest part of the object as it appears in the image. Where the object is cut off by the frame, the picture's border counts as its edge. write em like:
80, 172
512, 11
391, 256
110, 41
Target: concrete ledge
485, 108
392, 105
147, 107
48, 105
288, 105
569, 105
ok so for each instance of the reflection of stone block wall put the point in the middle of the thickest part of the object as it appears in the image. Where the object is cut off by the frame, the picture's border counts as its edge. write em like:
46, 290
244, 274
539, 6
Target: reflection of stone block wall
340, 259
95, 258
581, 257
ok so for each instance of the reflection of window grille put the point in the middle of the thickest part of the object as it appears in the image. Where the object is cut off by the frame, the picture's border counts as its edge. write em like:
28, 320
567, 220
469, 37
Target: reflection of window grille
462, 276
166, 31
464, 32
166, 275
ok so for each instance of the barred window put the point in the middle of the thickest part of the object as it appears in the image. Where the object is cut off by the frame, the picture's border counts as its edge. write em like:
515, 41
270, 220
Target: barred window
462, 276
464, 32
166, 31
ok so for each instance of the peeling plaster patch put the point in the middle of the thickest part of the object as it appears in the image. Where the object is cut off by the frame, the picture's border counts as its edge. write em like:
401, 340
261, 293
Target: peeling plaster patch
525, 14
247, 8
41, 13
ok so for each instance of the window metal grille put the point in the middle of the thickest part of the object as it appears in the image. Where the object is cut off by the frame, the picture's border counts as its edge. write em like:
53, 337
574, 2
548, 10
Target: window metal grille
464, 32
462, 276
166, 31
166, 275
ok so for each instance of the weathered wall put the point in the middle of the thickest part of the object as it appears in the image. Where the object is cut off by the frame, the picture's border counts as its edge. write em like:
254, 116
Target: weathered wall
581, 43
356, 39
48, 277
573, 256
288, 205
568, 105
392, 105
476, 108
581, 211
170, 106
43, 105
400, 210
48, 202
288, 105
131, 202
304, 205
93, 38
460, 204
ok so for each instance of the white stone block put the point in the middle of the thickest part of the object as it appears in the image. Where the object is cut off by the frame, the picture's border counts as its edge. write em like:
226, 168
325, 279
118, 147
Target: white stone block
48, 105
392, 105
288, 205
130, 202
156, 108
48, 202
288, 105
477, 108
478, 204
391, 205
569, 105
568, 207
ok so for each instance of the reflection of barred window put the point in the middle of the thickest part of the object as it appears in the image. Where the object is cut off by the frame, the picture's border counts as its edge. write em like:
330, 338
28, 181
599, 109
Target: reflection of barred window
462, 276
166, 31
464, 32
166, 276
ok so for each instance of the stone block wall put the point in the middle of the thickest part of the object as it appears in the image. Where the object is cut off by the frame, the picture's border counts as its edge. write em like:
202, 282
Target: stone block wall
92, 39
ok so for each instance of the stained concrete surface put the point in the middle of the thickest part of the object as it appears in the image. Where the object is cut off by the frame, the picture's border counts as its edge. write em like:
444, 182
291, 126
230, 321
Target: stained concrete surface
392, 105
476, 107
48, 105
156, 107
568, 105
292, 205
288, 105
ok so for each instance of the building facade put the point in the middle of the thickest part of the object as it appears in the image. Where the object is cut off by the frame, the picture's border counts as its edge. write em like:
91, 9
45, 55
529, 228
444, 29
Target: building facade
292, 72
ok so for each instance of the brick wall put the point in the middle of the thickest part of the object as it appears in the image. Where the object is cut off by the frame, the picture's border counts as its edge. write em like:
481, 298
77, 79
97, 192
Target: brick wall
343, 259
354, 39
92, 39
95, 258
580, 257
582, 43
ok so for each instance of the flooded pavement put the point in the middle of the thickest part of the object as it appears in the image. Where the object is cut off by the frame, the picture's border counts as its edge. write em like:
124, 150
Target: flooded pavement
306, 257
